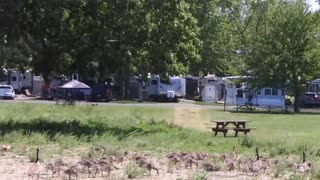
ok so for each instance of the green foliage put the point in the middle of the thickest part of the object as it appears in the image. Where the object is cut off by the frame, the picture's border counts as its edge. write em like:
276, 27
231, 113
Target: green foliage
199, 176
282, 50
276, 42
134, 171
197, 98
248, 142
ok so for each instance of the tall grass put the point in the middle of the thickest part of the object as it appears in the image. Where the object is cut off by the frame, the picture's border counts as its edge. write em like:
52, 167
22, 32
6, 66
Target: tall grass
151, 128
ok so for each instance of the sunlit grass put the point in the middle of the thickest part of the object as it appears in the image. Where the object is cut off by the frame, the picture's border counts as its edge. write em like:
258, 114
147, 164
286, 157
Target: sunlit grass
152, 129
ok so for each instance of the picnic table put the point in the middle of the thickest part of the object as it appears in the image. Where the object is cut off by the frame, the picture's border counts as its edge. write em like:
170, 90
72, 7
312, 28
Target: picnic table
238, 126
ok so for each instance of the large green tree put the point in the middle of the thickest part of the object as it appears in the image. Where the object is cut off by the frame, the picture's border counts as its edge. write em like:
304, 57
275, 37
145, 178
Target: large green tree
44, 32
284, 47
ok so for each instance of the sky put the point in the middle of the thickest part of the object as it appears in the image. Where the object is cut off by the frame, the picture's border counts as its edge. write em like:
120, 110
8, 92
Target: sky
314, 4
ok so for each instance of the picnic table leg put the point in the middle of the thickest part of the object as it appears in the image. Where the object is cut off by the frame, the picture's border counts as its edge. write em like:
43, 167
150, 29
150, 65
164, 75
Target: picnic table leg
216, 132
225, 134
236, 134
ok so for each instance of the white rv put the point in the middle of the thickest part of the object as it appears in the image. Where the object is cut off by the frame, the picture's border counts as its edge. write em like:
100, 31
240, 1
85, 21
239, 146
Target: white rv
241, 95
211, 88
166, 92
17, 79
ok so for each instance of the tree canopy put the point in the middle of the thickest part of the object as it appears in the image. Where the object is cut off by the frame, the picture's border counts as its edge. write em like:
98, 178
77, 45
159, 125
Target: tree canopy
276, 41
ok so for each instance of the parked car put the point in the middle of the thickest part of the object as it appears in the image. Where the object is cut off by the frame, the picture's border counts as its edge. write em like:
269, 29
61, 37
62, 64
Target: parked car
6, 92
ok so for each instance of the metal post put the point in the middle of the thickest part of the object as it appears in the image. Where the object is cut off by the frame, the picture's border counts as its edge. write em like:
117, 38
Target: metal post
225, 99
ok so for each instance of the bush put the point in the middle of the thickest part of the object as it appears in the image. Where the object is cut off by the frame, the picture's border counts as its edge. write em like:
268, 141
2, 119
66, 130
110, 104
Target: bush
247, 142
197, 98
288, 102
134, 171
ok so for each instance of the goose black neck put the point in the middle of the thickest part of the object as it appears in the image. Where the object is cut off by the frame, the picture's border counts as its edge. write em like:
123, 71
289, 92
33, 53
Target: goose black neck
37, 156
303, 157
257, 153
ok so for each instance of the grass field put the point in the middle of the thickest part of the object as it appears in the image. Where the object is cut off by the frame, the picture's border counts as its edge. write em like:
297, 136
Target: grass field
63, 128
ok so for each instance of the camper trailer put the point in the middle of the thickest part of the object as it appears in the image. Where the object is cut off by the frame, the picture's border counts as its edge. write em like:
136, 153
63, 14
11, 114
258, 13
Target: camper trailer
17, 79
211, 88
311, 96
240, 95
192, 86
173, 91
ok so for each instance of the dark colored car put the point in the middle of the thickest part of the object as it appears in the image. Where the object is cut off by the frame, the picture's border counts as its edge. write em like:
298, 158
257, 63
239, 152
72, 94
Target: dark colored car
101, 93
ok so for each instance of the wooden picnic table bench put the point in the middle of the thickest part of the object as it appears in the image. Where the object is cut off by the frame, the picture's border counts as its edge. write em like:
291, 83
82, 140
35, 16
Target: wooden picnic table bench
238, 126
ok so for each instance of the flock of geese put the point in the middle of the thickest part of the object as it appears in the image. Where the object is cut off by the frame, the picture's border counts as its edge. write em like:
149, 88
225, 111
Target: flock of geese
102, 166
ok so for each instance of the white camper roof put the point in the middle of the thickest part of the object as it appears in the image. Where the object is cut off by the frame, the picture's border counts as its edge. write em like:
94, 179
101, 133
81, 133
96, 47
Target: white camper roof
316, 81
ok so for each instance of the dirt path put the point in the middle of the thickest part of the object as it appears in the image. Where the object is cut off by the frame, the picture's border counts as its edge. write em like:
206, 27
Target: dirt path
190, 117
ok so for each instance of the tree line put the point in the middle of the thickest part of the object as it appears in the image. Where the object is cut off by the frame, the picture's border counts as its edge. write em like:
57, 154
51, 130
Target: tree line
276, 42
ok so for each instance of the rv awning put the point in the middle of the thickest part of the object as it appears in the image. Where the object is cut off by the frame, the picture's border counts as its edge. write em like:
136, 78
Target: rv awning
74, 84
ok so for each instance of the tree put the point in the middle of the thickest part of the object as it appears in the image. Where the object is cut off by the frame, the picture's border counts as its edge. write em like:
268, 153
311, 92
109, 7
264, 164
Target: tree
14, 52
218, 33
284, 49
44, 32
172, 43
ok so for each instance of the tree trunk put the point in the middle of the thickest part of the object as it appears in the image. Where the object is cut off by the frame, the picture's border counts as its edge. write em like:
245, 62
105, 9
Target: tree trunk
296, 95
296, 103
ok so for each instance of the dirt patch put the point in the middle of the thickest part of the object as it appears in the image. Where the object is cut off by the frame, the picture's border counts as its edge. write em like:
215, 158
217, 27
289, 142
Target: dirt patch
189, 117
20, 168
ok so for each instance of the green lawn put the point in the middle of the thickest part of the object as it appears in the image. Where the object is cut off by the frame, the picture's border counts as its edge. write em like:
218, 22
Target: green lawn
277, 131
151, 129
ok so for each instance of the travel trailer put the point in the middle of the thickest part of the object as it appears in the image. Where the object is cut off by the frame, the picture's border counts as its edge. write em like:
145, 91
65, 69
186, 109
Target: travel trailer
211, 88
173, 91
17, 79
240, 95
312, 94
192, 89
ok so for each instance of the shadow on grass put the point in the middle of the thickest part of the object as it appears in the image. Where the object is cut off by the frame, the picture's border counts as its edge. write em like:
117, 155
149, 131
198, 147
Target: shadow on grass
73, 127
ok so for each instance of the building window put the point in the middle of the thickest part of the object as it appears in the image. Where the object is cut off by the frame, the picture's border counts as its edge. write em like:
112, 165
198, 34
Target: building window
153, 82
274, 92
14, 78
267, 92
239, 93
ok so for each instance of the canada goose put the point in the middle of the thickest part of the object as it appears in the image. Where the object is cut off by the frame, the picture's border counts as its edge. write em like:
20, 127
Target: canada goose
37, 155
55, 167
257, 153
148, 165
208, 167
88, 164
189, 161
71, 172
126, 153
304, 166
6, 147
258, 165
34, 169
175, 159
